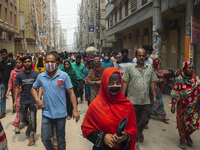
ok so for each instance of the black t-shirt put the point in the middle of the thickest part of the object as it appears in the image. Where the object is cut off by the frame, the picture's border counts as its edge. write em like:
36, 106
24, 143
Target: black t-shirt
5, 69
26, 80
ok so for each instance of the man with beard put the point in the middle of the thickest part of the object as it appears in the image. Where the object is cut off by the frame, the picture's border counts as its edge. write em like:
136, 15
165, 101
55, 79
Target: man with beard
80, 69
149, 50
139, 77
124, 62
54, 83
106, 62
25, 79
6, 66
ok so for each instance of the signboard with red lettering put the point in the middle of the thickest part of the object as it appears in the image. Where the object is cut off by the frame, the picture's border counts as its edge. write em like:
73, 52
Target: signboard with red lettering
195, 30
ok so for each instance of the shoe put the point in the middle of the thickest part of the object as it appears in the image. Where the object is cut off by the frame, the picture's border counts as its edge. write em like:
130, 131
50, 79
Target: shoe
146, 127
189, 140
2, 115
182, 146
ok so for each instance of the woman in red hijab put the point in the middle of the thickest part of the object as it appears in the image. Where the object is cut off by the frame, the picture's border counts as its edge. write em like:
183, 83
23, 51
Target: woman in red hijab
105, 113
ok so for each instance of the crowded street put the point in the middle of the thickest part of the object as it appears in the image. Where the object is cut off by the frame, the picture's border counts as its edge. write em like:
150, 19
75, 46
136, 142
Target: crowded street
99, 74
159, 136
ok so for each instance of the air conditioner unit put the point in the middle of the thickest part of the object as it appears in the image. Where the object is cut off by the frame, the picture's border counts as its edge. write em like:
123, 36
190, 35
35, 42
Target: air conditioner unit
3, 35
112, 1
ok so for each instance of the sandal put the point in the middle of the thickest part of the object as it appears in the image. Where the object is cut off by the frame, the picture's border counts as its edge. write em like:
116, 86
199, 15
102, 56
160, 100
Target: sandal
137, 147
189, 140
141, 138
165, 119
28, 130
31, 143
182, 146
17, 131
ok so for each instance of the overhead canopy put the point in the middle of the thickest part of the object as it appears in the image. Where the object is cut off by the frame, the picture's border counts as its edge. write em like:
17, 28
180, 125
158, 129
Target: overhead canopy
91, 49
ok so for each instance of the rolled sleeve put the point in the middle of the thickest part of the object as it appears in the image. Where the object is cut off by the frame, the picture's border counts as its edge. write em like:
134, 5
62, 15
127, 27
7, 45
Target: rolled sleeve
126, 75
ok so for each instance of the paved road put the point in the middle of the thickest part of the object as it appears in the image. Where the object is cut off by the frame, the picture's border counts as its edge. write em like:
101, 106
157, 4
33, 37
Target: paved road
159, 136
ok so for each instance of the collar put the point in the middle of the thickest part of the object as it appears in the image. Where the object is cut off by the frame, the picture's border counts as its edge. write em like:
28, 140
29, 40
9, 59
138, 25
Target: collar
46, 75
6, 61
145, 65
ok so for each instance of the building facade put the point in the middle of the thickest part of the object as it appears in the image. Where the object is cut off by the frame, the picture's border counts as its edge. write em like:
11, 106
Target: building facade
92, 13
8, 23
130, 25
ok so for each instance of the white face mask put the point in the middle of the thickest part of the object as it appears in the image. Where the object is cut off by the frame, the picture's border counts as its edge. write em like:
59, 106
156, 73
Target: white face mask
51, 67
106, 58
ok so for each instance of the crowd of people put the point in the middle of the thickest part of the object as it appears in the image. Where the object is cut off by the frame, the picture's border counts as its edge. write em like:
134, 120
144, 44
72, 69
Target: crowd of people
116, 87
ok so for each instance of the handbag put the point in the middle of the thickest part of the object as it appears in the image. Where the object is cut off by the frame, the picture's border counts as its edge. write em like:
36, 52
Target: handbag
121, 127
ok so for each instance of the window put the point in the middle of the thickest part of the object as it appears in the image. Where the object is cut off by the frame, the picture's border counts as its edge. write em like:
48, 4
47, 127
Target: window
120, 13
144, 2
146, 32
0, 12
137, 33
11, 17
126, 8
116, 17
133, 5
108, 22
173, 24
6, 14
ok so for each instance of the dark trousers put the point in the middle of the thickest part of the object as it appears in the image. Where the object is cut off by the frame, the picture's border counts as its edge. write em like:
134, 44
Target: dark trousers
81, 87
23, 116
142, 113
46, 133
69, 103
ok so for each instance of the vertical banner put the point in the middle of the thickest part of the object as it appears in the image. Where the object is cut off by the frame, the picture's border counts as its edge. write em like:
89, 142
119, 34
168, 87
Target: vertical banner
195, 30
188, 49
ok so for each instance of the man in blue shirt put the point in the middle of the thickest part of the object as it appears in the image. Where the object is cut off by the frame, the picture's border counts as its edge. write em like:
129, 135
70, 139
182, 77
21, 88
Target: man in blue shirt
54, 84
106, 62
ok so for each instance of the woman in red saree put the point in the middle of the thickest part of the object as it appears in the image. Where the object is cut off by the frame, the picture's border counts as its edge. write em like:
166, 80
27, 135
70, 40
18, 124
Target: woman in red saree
105, 113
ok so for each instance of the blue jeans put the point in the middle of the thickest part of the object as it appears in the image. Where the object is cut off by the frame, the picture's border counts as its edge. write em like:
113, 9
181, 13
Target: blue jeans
4, 88
46, 133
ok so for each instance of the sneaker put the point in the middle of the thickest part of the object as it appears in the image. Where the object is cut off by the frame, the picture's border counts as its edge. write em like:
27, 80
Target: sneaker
2, 115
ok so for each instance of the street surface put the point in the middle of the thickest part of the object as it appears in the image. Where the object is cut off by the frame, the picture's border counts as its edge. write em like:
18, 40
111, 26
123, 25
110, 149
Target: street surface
159, 136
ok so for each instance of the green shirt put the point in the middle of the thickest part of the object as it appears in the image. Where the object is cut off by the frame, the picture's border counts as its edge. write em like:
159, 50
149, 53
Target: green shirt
139, 83
80, 69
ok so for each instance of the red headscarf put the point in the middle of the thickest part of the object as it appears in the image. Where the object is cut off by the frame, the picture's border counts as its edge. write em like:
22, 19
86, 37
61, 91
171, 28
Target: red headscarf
106, 111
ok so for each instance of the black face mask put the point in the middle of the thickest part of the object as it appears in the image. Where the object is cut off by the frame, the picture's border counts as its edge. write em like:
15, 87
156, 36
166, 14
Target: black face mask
114, 89
125, 57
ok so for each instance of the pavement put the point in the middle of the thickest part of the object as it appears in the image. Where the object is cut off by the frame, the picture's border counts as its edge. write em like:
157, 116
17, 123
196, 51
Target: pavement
159, 136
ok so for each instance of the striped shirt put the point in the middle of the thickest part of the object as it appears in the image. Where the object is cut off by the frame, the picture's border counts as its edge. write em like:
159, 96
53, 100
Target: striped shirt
3, 139
123, 64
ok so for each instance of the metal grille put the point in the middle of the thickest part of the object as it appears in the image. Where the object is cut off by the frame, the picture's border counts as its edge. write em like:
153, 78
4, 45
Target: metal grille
133, 5
144, 2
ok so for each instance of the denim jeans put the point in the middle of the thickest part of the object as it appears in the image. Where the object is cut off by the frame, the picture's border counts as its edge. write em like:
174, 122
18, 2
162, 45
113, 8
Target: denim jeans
23, 116
4, 88
46, 132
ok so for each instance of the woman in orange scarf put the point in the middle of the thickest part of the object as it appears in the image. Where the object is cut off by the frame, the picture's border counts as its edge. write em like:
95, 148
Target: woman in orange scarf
105, 113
